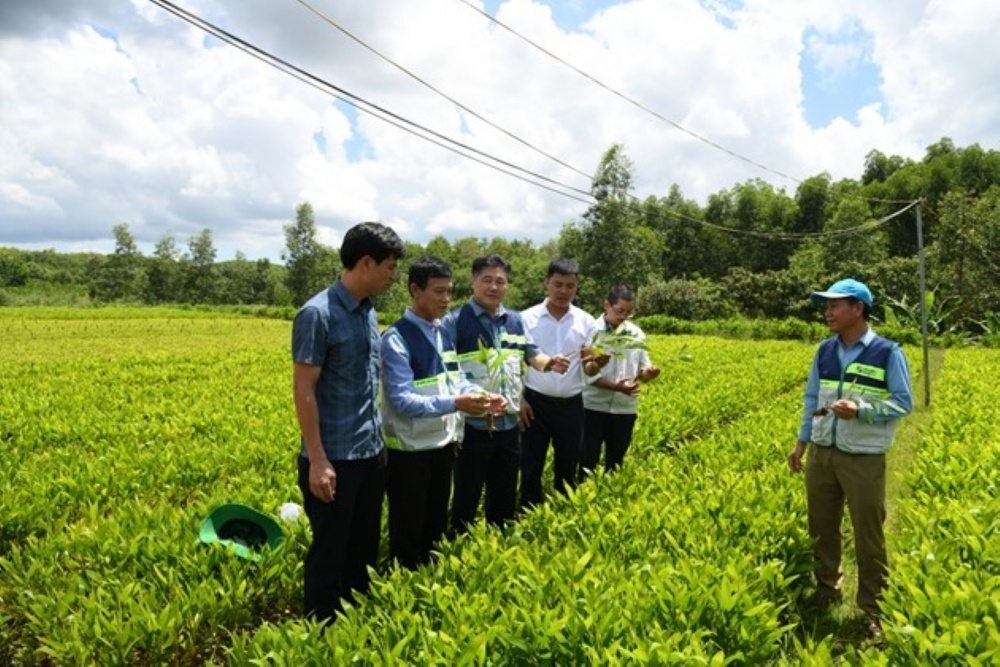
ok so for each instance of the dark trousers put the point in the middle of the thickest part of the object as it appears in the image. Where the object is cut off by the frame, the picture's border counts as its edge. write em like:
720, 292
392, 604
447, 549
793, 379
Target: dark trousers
419, 488
614, 431
345, 534
559, 421
490, 458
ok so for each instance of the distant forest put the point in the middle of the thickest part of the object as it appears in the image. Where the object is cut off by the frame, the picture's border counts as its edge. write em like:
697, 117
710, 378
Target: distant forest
751, 251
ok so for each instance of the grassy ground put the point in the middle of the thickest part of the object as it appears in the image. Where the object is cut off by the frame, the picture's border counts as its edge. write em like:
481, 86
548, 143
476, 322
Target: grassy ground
845, 622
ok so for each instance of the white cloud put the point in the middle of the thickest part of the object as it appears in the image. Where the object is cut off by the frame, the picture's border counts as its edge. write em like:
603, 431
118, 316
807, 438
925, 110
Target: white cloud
834, 57
119, 112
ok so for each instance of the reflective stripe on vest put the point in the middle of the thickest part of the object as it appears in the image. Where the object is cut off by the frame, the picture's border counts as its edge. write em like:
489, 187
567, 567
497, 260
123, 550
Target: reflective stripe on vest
864, 377
434, 374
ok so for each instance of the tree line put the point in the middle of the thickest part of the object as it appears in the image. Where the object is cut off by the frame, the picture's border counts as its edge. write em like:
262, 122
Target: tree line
752, 250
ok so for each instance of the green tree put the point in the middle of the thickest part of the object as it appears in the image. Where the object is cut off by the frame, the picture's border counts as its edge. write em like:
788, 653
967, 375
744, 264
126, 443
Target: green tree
164, 284
813, 200
689, 247
236, 280
264, 282
201, 276
879, 167
764, 215
978, 170
121, 276
852, 252
14, 270
614, 245
967, 250
310, 265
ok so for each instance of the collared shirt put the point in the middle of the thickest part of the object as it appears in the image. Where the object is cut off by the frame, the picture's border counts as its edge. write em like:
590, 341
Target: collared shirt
333, 331
897, 377
623, 365
493, 324
399, 374
565, 336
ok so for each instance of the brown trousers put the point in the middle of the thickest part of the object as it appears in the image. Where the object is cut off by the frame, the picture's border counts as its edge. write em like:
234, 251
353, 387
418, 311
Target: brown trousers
832, 477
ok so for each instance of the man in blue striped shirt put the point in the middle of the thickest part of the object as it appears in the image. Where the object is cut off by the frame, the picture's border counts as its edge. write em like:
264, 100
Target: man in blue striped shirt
335, 349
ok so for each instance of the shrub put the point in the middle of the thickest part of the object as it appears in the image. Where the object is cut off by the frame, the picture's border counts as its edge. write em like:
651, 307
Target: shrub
772, 294
698, 299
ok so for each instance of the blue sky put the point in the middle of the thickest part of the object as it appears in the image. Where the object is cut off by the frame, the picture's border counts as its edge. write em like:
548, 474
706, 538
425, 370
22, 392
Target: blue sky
114, 111
841, 88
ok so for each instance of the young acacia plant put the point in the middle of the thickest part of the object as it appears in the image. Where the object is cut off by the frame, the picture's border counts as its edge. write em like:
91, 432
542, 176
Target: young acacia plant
614, 343
495, 362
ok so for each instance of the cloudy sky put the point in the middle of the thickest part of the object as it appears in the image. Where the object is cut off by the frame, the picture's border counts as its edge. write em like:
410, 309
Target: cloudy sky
118, 111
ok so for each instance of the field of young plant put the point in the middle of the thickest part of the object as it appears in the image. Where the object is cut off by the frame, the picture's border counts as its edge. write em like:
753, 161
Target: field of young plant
121, 429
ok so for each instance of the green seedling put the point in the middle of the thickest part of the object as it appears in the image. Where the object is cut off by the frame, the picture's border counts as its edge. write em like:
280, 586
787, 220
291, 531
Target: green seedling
495, 363
614, 343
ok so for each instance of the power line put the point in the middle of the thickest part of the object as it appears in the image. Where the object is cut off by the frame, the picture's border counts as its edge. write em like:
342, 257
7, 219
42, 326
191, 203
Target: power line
655, 114
379, 112
790, 236
783, 236
625, 97
328, 19
454, 146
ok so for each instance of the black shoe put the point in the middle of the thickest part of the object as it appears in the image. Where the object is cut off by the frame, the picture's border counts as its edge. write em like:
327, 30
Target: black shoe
823, 597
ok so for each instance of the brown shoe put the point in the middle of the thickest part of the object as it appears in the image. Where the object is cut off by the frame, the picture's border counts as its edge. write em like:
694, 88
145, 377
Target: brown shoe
824, 597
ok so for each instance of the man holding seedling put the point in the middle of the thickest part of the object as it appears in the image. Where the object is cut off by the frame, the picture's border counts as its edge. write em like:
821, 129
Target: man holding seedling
552, 404
858, 388
424, 394
492, 345
335, 349
611, 398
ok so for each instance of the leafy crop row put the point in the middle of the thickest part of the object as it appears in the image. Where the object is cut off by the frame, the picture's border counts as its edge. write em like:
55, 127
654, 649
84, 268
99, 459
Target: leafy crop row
691, 557
943, 605
118, 435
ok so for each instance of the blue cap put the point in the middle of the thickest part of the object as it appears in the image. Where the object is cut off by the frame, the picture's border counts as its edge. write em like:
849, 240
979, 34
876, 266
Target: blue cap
843, 289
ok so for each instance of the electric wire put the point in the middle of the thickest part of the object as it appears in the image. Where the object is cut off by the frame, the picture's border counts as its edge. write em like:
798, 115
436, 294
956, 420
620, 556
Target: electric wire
377, 111
625, 97
656, 114
332, 22
794, 236
450, 144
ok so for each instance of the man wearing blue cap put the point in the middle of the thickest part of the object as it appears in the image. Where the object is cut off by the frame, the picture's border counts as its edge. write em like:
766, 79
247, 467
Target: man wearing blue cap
858, 388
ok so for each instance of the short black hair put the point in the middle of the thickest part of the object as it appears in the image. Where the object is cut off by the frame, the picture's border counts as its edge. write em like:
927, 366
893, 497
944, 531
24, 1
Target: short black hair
563, 266
493, 261
427, 267
373, 239
620, 293
866, 313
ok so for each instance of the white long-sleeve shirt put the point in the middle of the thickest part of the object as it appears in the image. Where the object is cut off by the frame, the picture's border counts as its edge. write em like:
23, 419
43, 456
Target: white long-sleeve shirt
565, 336
624, 364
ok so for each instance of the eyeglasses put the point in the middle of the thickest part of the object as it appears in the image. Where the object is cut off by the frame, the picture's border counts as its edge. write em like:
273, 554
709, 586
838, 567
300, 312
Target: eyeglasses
623, 313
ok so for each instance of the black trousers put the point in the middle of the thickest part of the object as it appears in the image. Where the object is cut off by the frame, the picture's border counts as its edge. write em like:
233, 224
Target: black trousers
559, 421
345, 534
614, 431
493, 459
419, 488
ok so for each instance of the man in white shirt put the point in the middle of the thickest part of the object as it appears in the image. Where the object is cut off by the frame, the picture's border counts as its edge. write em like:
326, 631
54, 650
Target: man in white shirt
552, 405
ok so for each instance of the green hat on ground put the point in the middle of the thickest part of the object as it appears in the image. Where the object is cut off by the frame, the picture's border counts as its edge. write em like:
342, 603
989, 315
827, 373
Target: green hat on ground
243, 529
